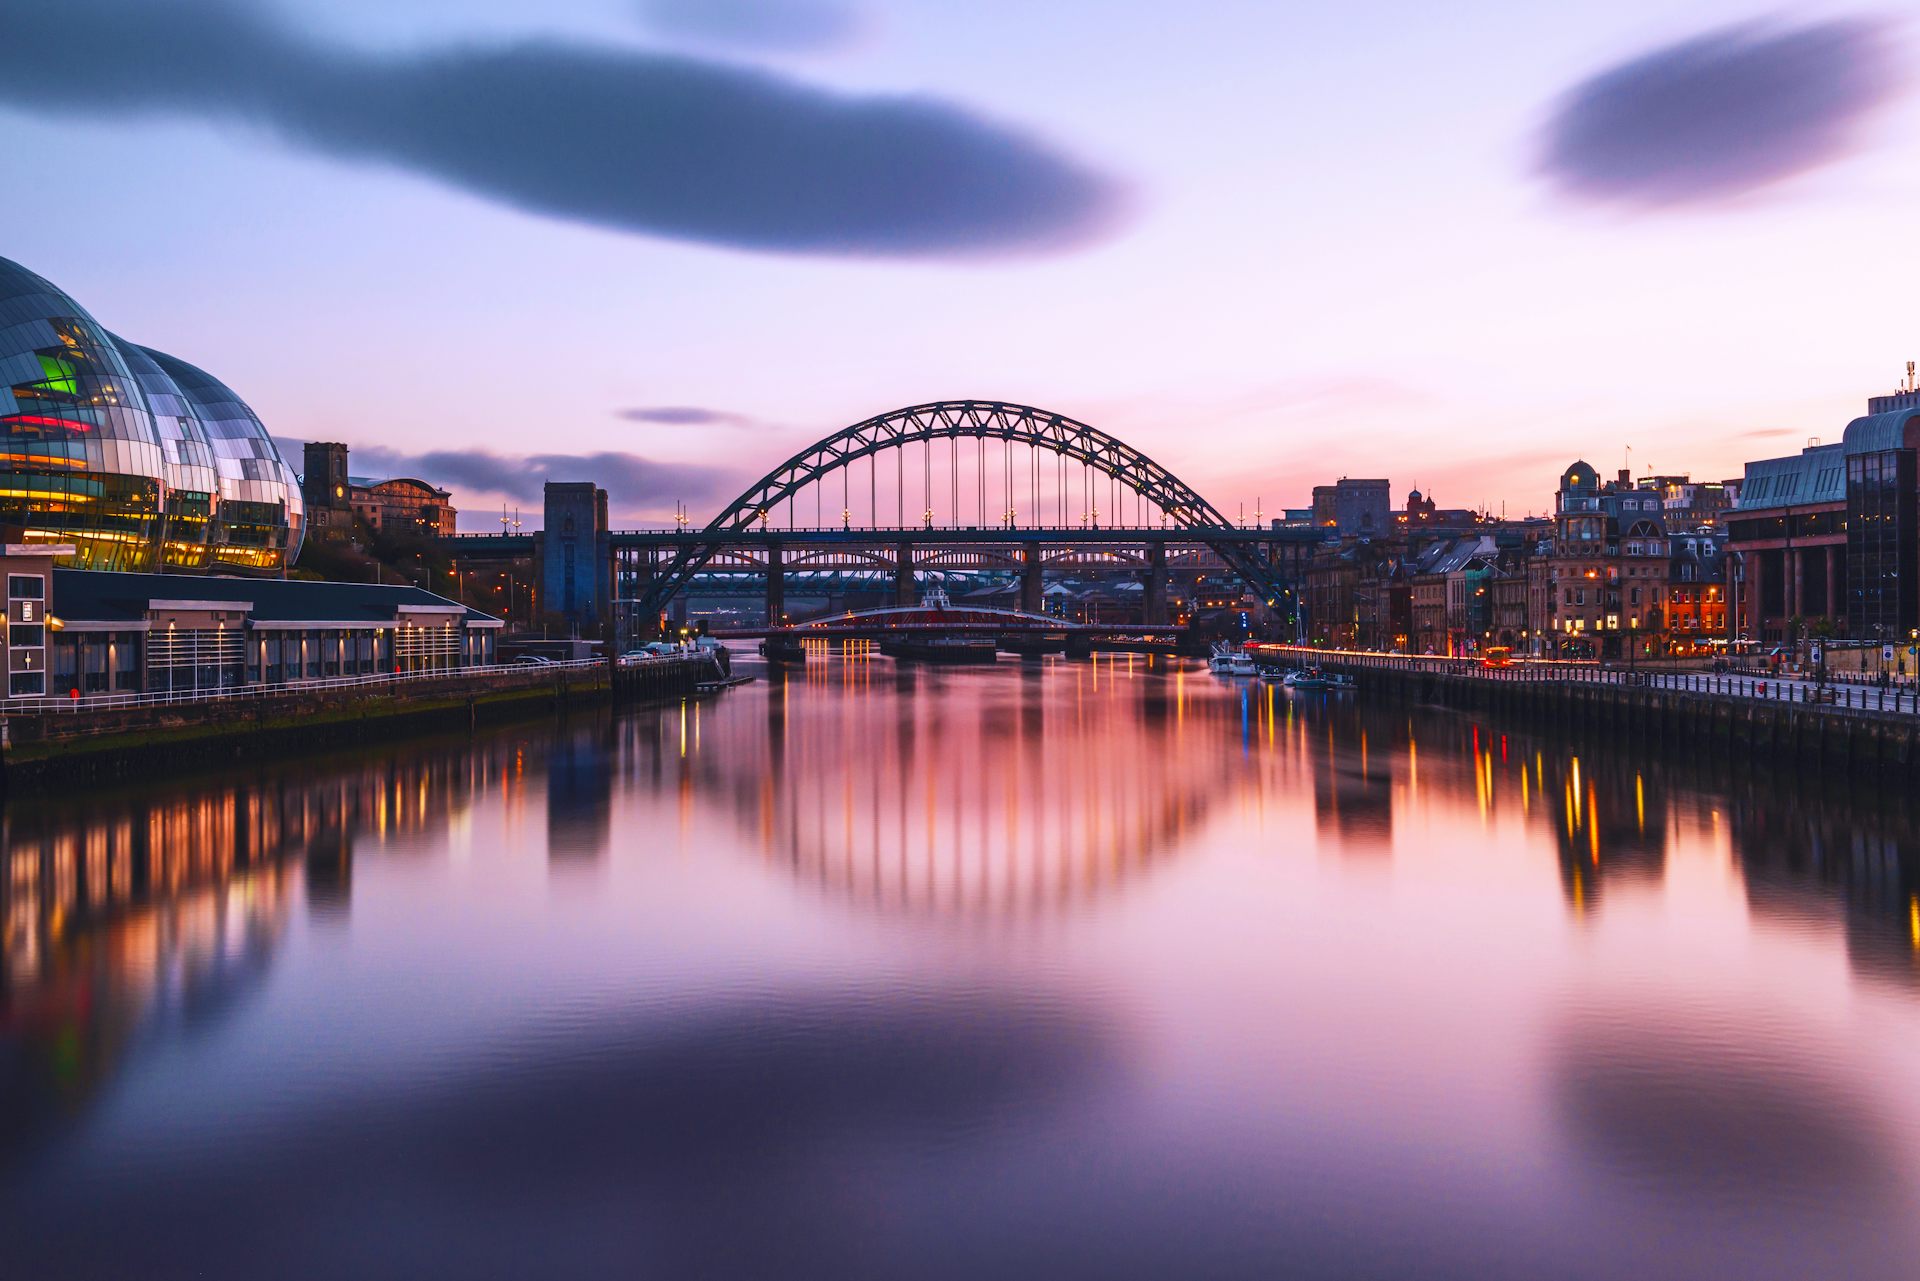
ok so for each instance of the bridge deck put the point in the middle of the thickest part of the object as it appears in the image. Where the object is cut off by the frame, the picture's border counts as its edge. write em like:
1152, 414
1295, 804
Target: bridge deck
953, 536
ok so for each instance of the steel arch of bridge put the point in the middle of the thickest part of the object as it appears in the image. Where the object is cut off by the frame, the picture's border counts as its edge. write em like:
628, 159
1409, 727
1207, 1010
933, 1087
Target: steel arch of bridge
962, 419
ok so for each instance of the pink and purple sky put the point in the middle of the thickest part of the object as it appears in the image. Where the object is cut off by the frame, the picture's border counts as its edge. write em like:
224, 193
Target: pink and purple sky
664, 243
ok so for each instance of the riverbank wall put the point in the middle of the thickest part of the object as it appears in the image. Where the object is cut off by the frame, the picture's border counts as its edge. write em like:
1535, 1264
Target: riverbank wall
103, 745
1808, 736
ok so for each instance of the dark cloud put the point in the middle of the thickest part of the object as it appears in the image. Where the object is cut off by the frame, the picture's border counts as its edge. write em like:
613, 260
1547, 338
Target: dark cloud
785, 25
1720, 115
634, 141
684, 416
630, 481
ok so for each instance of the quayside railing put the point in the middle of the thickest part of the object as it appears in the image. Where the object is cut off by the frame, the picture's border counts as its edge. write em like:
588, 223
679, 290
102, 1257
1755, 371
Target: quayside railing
106, 701
1834, 695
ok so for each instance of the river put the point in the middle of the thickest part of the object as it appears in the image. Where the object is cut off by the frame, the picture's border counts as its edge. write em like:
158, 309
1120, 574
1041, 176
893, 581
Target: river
1051, 969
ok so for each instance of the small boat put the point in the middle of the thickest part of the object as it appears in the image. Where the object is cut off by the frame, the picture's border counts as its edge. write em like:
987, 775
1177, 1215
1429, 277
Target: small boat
1230, 660
1315, 678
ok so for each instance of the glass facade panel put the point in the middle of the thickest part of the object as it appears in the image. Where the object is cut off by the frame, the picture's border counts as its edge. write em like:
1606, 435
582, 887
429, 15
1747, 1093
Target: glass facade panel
1883, 557
140, 461
80, 455
193, 486
260, 518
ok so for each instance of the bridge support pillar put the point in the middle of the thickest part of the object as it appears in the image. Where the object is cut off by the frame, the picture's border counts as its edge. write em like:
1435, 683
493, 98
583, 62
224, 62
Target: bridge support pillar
1032, 583
1154, 599
903, 587
776, 587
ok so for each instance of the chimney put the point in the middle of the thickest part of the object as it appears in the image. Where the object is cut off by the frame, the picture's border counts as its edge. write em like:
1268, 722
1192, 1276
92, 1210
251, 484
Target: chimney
1626, 478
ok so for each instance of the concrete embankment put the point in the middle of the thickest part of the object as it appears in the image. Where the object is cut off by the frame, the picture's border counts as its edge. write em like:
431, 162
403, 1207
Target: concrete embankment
1808, 736
83, 746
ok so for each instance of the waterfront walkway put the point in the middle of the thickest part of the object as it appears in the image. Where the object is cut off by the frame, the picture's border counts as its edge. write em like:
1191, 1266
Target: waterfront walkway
1856, 696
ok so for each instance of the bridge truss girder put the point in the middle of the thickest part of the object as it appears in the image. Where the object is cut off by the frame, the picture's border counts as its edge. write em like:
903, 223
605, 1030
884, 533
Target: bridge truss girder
952, 420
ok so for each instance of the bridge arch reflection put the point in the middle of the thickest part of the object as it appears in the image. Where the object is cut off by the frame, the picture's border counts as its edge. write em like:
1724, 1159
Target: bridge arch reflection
967, 794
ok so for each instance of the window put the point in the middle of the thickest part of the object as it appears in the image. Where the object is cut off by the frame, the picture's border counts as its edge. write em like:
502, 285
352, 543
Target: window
26, 587
26, 635
93, 676
27, 684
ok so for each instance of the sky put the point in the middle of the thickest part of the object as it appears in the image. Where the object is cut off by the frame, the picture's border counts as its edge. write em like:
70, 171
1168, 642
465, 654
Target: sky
663, 244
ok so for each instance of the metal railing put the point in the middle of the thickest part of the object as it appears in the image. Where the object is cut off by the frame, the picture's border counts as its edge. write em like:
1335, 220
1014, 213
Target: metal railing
97, 702
1848, 697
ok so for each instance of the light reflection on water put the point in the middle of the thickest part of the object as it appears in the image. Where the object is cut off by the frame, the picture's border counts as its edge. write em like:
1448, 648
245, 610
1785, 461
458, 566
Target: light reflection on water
1102, 969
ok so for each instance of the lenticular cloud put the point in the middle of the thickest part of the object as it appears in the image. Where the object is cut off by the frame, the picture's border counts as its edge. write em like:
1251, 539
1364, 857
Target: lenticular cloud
1721, 115
653, 143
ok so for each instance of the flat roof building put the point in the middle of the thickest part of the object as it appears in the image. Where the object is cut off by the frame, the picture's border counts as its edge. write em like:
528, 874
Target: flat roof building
1833, 532
74, 633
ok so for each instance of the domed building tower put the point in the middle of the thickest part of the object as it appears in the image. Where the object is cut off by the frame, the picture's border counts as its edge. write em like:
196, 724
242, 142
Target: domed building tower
1580, 478
81, 461
259, 519
193, 486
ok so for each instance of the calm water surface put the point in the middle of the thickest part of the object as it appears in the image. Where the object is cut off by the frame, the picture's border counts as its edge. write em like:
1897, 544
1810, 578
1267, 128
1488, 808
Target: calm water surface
1044, 970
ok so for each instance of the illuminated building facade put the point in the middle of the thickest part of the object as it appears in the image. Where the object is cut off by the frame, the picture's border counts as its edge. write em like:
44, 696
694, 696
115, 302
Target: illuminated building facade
192, 483
405, 506
1609, 568
1829, 538
260, 519
84, 466
135, 460
77, 634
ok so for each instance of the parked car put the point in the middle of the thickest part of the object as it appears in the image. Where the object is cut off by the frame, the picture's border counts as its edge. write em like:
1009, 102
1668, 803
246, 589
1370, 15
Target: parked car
532, 660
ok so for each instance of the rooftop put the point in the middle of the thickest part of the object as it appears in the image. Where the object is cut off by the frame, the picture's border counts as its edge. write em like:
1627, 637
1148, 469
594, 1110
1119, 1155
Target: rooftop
1817, 474
100, 596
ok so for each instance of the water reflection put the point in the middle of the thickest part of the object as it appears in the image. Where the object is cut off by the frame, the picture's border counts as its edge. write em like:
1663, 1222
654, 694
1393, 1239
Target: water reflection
1682, 1110
960, 792
687, 1135
1363, 989
141, 912
579, 770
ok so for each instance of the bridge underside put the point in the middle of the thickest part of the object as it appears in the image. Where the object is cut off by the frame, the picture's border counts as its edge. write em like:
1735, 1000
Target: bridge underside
834, 568
845, 565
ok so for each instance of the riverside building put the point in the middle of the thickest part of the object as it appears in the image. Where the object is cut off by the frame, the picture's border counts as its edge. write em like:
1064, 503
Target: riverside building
1830, 537
126, 457
74, 633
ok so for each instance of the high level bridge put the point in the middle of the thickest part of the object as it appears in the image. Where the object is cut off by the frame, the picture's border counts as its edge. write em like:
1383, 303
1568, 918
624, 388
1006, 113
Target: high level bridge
968, 486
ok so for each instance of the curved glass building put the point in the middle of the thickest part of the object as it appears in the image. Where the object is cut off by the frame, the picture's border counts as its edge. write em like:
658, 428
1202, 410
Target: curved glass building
81, 461
193, 485
259, 521
137, 459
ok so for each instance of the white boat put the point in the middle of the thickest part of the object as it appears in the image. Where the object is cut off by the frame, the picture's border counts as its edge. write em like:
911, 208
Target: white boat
1230, 660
